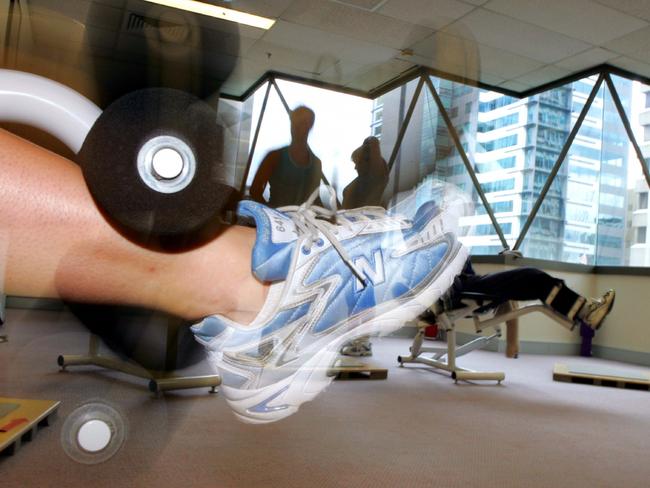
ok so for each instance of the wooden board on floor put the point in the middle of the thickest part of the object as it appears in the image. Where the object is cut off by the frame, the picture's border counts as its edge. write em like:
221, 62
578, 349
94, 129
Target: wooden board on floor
348, 368
602, 376
21, 420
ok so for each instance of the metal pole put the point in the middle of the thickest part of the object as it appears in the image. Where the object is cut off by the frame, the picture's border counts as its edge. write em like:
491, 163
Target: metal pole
405, 123
628, 127
560, 160
282, 99
468, 164
257, 133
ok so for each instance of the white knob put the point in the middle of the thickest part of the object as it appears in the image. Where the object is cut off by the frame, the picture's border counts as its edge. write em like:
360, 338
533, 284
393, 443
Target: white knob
94, 436
167, 163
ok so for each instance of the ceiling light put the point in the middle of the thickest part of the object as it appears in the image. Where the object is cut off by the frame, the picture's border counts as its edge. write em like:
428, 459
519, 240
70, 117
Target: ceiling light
218, 12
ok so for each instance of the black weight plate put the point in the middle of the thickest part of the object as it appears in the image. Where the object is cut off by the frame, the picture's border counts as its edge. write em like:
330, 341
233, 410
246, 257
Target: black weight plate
108, 159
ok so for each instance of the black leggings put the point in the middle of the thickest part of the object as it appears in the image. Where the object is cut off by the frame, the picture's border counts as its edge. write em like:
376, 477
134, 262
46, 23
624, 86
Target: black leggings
519, 284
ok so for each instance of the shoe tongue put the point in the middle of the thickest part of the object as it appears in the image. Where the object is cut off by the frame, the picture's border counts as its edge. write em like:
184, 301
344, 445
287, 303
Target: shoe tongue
276, 235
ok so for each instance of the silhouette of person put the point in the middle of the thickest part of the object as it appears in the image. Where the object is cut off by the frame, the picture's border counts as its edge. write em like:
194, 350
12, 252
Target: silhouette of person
368, 187
292, 172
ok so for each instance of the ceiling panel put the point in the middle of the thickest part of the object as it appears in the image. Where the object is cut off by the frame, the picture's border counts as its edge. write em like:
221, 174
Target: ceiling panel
266, 8
355, 23
343, 72
597, 23
449, 54
632, 65
512, 35
631, 43
246, 73
379, 74
271, 57
504, 63
636, 8
429, 13
587, 59
491, 79
515, 86
544, 75
323, 43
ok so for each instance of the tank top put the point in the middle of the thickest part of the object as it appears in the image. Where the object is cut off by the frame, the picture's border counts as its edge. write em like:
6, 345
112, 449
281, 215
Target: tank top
292, 184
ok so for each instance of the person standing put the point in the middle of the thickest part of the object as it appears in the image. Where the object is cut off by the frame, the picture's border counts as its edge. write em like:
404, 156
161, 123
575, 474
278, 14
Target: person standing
292, 172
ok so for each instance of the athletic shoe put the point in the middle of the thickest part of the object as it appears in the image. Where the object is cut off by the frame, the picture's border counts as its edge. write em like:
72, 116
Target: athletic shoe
331, 282
595, 311
360, 347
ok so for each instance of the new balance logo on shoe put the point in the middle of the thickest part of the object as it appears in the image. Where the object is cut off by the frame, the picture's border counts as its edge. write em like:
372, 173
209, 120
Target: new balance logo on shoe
373, 272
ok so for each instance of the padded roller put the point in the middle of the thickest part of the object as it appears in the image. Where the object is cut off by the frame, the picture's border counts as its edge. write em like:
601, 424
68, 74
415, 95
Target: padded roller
153, 163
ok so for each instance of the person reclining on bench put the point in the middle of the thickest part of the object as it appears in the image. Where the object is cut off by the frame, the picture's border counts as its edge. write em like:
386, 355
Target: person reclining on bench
527, 283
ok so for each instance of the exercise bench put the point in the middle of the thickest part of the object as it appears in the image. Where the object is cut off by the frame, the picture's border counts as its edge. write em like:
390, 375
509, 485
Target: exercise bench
486, 312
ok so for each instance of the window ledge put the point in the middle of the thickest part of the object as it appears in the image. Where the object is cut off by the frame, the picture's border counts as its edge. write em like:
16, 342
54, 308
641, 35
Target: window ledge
559, 266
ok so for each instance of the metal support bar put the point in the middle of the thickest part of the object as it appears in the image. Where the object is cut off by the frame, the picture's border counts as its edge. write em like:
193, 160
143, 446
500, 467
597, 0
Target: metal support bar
158, 382
257, 133
405, 123
560, 160
628, 128
468, 164
279, 92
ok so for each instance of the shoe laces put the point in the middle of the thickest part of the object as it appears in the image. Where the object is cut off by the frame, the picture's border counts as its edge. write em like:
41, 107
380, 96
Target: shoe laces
313, 220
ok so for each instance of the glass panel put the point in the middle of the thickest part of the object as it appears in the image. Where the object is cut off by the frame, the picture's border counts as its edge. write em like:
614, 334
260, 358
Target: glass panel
513, 144
342, 123
428, 160
636, 103
565, 228
635, 98
592, 192
623, 209
637, 245
235, 118
274, 131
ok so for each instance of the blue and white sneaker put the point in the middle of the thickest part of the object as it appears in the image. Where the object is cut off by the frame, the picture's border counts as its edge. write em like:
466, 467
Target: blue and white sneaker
332, 282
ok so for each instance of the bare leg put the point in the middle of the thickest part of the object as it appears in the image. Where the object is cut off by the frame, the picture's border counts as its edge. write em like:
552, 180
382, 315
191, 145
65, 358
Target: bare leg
57, 244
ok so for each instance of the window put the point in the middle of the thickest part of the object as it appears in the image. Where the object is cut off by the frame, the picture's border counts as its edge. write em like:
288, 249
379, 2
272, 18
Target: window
500, 143
641, 234
513, 145
488, 229
498, 123
499, 164
499, 185
497, 207
496, 103
647, 99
